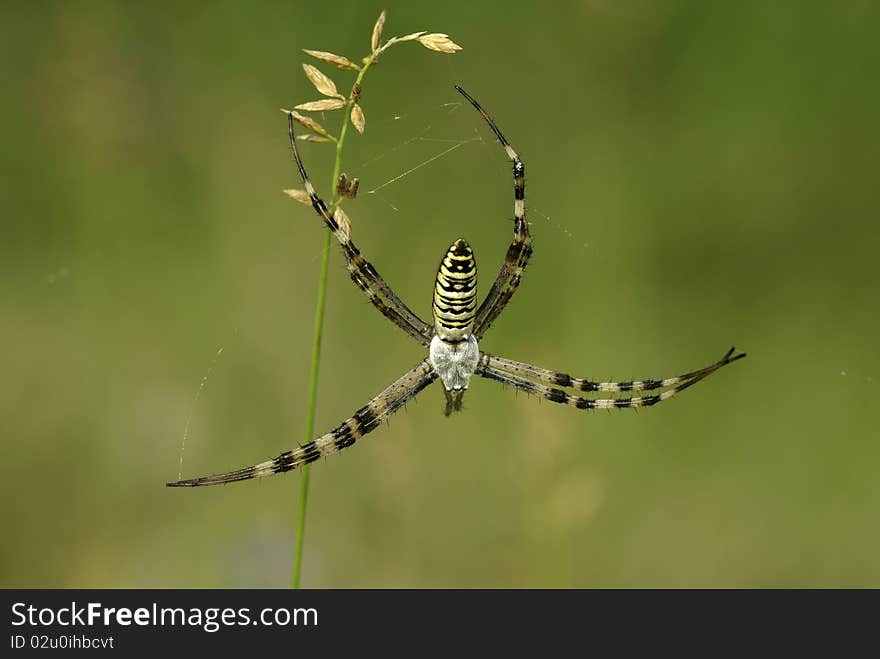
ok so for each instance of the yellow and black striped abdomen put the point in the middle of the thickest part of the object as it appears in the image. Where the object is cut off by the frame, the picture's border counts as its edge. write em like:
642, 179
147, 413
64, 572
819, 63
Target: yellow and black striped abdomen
455, 293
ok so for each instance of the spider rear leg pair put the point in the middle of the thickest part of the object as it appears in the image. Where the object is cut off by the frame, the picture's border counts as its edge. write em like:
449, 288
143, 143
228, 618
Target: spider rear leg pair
364, 421
510, 372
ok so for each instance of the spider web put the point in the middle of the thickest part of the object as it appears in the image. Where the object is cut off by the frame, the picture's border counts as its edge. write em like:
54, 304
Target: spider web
446, 146
202, 385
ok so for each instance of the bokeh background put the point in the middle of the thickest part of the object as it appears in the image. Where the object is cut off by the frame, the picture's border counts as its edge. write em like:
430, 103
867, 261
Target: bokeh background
700, 175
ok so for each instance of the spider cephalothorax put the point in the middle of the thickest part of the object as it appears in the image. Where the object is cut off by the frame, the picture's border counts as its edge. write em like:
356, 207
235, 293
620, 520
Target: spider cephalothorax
454, 355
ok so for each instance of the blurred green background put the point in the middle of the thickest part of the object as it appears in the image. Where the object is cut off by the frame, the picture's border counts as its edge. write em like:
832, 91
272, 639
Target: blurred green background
700, 175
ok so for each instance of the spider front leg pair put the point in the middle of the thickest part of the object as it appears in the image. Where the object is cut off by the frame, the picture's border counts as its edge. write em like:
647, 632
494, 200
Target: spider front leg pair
458, 325
362, 272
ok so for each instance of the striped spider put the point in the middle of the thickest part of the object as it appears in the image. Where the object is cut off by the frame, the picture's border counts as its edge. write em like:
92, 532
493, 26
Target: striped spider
454, 355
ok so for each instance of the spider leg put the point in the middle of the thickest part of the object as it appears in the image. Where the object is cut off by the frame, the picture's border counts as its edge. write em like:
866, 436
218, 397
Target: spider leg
520, 249
362, 271
564, 380
365, 420
560, 396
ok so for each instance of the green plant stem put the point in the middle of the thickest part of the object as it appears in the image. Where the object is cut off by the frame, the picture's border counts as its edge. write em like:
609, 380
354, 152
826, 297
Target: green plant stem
316, 348
310, 411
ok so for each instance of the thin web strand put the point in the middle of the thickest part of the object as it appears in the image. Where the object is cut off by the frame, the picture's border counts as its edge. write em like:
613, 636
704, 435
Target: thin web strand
421, 164
192, 409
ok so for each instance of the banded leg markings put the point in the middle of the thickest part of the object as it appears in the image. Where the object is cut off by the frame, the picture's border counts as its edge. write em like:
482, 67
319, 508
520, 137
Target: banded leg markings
364, 421
487, 369
560, 396
548, 376
520, 249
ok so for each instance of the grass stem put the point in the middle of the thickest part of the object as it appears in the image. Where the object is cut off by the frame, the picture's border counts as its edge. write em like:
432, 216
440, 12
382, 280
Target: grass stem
316, 351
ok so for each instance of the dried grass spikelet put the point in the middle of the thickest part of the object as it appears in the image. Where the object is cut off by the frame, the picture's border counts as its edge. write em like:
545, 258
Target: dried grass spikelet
439, 42
321, 82
309, 123
343, 222
410, 37
338, 61
357, 118
323, 104
308, 137
299, 195
377, 31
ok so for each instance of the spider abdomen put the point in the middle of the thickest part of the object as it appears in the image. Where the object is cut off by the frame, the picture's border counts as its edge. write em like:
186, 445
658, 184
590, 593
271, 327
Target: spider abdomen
455, 293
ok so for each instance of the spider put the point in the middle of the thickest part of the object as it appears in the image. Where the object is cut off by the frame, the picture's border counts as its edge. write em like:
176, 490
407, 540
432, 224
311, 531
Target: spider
454, 355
